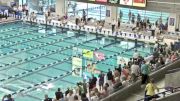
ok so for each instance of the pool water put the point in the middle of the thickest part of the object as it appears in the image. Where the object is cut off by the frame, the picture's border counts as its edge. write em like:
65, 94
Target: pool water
32, 54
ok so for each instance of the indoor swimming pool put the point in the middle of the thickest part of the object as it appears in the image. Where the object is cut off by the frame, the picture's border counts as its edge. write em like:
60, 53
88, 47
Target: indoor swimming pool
35, 60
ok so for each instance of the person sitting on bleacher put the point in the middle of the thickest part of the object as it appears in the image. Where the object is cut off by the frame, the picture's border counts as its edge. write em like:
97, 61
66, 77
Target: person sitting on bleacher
135, 71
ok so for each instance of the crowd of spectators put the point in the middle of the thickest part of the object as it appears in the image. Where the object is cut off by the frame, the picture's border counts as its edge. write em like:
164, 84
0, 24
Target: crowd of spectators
138, 67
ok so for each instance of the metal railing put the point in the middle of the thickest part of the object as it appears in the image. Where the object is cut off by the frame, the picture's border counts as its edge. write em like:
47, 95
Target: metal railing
152, 71
164, 93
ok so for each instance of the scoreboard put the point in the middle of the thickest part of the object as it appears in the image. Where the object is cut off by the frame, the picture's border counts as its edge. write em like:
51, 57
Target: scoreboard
136, 3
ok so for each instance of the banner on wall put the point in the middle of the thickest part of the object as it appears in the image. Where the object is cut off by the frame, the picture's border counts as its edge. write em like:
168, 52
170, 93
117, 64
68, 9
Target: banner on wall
126, 2
77, 66
87, 53
139, 3
172, 23
99, 56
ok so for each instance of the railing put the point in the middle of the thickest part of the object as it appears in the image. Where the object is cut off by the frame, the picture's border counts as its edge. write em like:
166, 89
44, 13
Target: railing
169, 89
173, 70
136, 85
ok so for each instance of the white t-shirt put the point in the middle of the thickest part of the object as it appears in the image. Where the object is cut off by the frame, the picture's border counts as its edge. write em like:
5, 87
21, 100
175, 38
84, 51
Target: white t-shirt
125, 83
153, 27
135, 69
114, 22
70, 98
167, 61
15, 9
149, 58
94, 98
110, 89
6, 12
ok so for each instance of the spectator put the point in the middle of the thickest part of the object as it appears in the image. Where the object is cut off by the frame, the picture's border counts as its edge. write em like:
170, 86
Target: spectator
90, 84
113, 25
109, 77
59, 94
168, 59
84, 98
104, 92
150, 91
80, 89
47, 98
101, 80
145, 70
117, 84
162, 62
84, 16
119, 69
130, 62
7, 98
129, 15
109, 88
172, 46
94, 80
67, 91
173, 56
76, 98
94, 97
116, 73
135, 71
124, 82
157, 63
70, 96
84, 86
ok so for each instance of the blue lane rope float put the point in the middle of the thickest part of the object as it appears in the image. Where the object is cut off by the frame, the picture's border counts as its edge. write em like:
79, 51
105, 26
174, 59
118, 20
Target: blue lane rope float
44, 66
42, 82
57, 77
31, 47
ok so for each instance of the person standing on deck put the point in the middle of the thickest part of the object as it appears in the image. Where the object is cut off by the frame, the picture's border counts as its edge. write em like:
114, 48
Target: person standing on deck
129, 15
84, 16
145, 70
113, 25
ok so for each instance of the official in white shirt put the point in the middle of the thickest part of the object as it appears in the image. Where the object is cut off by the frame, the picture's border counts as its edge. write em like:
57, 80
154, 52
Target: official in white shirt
113, 25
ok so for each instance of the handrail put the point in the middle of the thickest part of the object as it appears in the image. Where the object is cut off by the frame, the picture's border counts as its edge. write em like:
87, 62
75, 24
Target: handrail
169, 89
173, 70
152, 72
